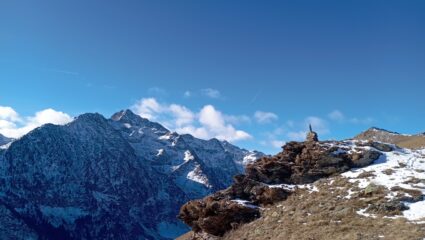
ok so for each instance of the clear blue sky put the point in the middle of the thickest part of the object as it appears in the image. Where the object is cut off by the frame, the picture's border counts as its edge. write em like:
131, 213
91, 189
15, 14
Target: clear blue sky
362, 60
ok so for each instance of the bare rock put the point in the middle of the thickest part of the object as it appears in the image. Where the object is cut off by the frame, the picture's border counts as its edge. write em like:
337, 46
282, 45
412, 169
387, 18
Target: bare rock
216, 216
364, 158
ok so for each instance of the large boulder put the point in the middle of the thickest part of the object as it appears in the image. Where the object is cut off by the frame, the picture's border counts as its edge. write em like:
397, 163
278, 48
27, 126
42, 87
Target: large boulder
235, 205
216, 215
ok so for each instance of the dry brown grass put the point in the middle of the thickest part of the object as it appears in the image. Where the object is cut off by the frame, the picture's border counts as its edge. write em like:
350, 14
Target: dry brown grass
404, 141
328, 214
331, 213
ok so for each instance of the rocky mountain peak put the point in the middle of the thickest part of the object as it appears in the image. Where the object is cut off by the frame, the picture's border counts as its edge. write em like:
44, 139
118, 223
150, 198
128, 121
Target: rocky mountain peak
129, 119
90, 118
376, 129
124, 115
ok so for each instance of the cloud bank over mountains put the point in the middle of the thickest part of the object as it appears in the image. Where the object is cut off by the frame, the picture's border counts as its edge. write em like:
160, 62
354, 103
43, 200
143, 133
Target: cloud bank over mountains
206, 123
14, 126
260, 128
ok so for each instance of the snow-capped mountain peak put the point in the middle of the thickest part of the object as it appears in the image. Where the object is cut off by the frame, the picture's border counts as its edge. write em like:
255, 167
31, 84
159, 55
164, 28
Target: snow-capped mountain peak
131, 120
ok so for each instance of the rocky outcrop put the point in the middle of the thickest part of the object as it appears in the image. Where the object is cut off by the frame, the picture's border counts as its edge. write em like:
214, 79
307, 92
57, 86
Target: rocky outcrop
298, 163
216, 216
306, 162
226, 209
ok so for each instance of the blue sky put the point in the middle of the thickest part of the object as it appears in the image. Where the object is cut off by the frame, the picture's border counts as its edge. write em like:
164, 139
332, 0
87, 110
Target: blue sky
254, 72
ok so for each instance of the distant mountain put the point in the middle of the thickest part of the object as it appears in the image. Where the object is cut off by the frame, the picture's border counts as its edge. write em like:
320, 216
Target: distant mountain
403, 140
118, 178
4, 141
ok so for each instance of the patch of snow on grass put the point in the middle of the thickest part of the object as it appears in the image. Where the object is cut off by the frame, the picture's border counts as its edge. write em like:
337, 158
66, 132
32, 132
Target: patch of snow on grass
416, 211
396, 169
362, 212
349, 194
292, 187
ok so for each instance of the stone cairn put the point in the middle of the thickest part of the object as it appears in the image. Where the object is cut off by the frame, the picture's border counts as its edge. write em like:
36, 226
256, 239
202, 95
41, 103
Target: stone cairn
312, 136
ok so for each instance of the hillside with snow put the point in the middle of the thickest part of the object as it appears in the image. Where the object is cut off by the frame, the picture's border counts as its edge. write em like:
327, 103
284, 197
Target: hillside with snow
353, 189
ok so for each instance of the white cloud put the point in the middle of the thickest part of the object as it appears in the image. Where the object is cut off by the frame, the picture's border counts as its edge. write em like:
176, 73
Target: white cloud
183, 116
211, 93
7, 113
206, 92
210, 117
213, 124
187, 94
49, 116
207, 123
14, 126
148, 108
237, 119
336, 115
265, 117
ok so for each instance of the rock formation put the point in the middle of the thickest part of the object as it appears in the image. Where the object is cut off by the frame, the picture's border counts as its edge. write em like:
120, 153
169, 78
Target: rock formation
298, 163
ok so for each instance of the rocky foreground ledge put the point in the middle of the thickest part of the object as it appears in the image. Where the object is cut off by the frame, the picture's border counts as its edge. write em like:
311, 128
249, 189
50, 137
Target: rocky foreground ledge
273, 179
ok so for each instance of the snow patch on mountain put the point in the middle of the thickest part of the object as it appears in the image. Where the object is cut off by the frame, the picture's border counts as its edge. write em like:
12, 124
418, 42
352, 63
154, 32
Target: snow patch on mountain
188, 156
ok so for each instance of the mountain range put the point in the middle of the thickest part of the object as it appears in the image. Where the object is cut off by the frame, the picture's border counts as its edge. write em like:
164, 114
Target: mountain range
118, 178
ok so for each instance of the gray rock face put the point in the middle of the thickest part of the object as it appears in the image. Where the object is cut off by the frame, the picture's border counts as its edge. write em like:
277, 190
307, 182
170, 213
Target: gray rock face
97, 178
